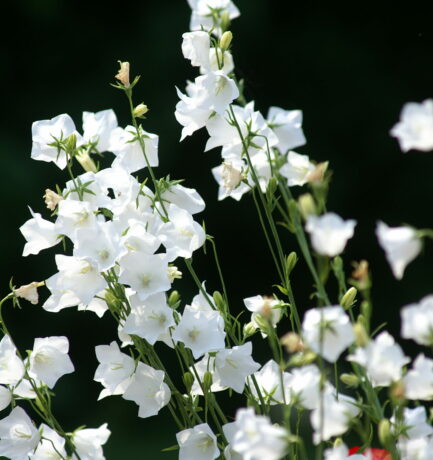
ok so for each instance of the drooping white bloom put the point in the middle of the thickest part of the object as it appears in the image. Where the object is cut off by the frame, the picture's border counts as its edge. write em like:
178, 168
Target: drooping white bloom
50, 446
181, 235
235, 365
18, 435
255, 438
382, 358
304, 386
201, 17
266, 307
185, 198
146, 274
206, 364
415, 128
98, 127
148, 390
401, 246
270, 379
201, 331
328, 331
337, 415
45, 132
287, 125
196, 47
126, 146
298, 169
11, 366
417, 321
114, 370
418, 382
149, 319
198, 443
329, 233
89, 442
39, 233
49, 359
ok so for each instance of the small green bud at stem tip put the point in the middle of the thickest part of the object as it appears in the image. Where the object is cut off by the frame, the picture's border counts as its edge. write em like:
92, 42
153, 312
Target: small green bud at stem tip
348, 298
307, 206
140, 110
291, 261
384, 432
351, 380
218, 299
188, 381
361, 336
226, 40
207, 381
173, 298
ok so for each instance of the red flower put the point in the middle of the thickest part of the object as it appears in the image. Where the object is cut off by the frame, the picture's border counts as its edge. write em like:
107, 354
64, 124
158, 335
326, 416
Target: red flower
376, 454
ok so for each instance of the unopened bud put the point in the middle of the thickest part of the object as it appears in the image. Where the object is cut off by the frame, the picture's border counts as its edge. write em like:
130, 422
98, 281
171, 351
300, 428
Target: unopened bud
123, 74
272, 186
348, 298
29, 291
263, 323
85, 161
249, 330
225, 20
351, 380
140, 110
397, 391
318, 173
292, 342
291, 261
52, 199
226, 40
302, 359
361, 336
173, 298
338, 442
307, 206
188, 381
207, 381
71, 143
218, 299
384, 432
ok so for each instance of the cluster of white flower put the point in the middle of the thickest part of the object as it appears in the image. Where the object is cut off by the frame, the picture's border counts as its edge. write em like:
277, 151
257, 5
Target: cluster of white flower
127, 238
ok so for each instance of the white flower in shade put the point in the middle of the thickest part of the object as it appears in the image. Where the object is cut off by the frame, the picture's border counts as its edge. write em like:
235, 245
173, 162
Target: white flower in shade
417, 321
328, 331
415, 449
89, 442
418, 382
185, 198
335, 417
206, 364
287, 125
73, 215
51, 446
235, 365
39, 233
45, 132
401, 246
270, 379
255, 438
198, 443
229, 430
382, 358
415, 128
126, 146
148, 390
18, 436
114, 369
146, 274
298, 169
304, 386
11, 366
329, 233
202, 18
181, 235
49, 360
79, 276
266, 307
196, 47
150, 318
98, 127
414, 424
201, 331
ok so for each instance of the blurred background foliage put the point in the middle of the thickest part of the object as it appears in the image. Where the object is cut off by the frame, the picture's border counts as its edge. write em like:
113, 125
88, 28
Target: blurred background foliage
350, 69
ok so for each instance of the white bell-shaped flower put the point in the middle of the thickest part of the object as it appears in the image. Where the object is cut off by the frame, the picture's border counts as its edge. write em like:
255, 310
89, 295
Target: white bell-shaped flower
197, 443
39, 233
185, 198
287, 125
201, 17
417, 321
206, 364
89, 442
51, 446
304, 386
196, 47
298, 169
11, 366
98, 128
418, 382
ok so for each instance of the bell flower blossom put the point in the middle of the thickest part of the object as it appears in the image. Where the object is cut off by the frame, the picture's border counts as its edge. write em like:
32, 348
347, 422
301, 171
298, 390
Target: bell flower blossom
417, 321
39, 233
287, 125
89, 442
98, 128
197, 443
418, 382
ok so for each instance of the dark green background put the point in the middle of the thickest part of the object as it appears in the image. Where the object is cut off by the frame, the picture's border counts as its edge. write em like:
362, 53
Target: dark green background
350, 69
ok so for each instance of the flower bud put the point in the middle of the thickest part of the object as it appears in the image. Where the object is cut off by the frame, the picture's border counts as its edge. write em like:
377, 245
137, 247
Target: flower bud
218, 299
318, 174
29, 291
52, 199
71, 143
302, 359
351, 380
292, 342
338, 442
85, 161
140, 110
249, 330
188, 381
174, 273
123, 74
348, 298
263, 323
384, 432
225, 20
207, 381
307, 206
226, 40
173, 298
291, 261
397, 391
361, 336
